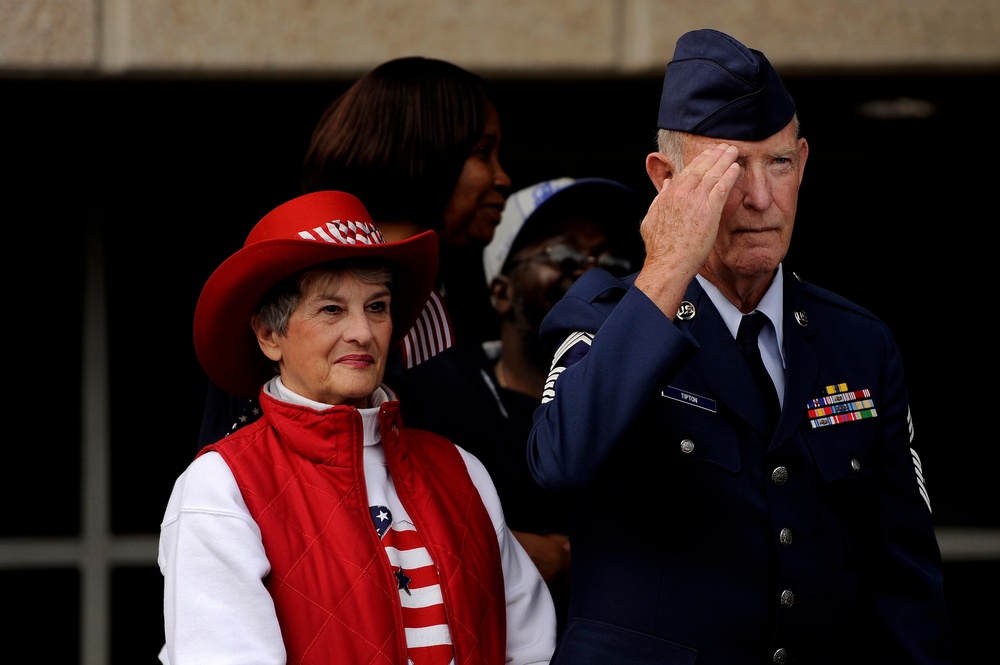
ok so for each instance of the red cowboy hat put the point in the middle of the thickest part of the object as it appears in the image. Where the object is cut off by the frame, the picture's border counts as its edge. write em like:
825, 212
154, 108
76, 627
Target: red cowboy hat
306, 231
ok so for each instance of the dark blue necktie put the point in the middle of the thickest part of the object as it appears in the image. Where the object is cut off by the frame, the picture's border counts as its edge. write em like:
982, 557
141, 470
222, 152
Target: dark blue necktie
746, 337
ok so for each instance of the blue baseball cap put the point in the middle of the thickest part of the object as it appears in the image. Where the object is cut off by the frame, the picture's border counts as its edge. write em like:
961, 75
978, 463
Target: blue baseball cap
715, 86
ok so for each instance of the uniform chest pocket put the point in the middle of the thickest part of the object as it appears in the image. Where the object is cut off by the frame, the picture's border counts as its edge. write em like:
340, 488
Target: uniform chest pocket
692, 436
844, 453
695, 471
694, 431
846, 461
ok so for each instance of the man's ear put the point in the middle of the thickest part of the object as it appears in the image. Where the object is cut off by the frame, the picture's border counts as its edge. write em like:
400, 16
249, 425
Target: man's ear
266, 339
500, 294
659, 169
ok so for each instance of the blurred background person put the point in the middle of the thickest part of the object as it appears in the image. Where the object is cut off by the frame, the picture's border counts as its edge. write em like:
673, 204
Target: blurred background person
420, 139
417, 140
482, 396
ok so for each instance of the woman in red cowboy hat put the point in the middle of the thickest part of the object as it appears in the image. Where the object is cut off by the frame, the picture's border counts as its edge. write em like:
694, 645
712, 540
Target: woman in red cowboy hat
417, 139
328, 531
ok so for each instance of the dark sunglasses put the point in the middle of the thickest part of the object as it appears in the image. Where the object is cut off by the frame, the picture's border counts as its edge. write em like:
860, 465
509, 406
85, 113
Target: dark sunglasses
570, 259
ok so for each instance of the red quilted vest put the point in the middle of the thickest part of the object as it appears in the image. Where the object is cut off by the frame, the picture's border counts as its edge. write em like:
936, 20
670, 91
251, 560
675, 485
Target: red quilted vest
300, 472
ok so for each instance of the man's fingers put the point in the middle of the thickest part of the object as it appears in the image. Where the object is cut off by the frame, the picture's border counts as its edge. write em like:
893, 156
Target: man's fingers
714, 163
720, 172
713, 173
727, 180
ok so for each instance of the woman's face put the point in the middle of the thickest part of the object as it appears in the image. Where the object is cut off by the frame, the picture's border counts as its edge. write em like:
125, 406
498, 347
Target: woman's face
475, 207
337, 341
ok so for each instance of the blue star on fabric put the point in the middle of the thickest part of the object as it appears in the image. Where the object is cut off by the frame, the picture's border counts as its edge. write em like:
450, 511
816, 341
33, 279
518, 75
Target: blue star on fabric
381, 517
403, 580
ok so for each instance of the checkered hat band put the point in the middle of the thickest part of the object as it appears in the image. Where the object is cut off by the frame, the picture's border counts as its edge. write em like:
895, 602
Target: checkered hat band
345, 233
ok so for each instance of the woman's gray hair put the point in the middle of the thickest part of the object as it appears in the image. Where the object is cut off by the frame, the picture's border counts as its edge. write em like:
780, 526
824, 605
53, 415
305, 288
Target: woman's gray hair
276, 307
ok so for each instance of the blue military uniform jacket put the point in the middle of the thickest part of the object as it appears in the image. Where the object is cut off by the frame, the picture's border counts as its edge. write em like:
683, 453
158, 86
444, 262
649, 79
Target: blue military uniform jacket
698, 539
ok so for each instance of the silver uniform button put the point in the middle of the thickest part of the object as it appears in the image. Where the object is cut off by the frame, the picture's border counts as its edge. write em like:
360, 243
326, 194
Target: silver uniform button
787, 598
687, 445
785, 537
856, 464
779, 476
780, 657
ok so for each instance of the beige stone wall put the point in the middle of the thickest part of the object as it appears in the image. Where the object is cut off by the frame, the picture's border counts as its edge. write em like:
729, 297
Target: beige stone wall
515, 37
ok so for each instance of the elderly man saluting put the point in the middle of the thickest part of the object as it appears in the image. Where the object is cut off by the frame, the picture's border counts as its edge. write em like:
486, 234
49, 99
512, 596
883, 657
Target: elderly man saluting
737, 441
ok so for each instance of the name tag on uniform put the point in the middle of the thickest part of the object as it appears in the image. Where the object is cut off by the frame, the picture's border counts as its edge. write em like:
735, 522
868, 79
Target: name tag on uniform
690, 399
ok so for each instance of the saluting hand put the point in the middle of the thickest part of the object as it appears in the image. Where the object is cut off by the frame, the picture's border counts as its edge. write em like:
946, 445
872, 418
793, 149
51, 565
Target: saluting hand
680, 227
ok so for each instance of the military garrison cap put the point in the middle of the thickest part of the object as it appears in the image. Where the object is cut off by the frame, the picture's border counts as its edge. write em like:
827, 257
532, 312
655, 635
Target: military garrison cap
715, 86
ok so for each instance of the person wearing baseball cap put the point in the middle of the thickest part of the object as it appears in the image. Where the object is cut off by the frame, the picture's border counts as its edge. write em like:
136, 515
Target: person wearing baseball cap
328, 529
736, 442
550, 233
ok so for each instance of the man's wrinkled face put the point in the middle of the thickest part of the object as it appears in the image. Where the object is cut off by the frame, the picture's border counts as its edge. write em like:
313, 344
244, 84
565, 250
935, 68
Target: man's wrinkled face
756, 226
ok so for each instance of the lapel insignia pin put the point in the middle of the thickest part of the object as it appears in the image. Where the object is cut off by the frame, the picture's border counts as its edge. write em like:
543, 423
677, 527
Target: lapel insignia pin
686, 311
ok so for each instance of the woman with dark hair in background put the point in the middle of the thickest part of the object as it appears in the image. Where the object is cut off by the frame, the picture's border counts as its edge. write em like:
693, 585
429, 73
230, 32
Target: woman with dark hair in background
417, 140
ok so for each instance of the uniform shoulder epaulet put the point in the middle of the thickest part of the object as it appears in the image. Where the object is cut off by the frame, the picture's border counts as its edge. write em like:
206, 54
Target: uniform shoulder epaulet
584, 307
596, 285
